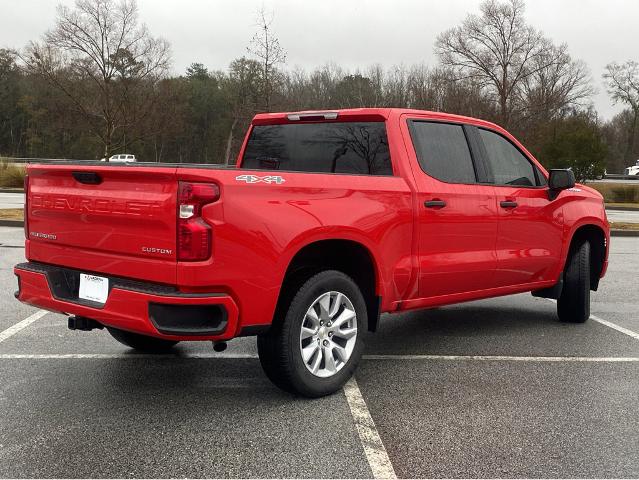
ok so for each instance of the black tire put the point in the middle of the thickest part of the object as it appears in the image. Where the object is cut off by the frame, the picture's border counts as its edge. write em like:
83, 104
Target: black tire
573, 304
142, 343
279, 348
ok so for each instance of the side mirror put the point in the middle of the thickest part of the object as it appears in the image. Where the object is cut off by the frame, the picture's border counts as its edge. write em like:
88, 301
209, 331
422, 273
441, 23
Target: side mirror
560, 179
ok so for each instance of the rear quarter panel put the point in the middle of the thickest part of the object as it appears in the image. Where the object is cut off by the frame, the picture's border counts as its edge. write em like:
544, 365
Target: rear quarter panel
258, 228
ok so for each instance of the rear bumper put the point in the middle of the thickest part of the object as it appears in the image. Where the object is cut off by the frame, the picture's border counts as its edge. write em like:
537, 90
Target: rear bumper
140, 307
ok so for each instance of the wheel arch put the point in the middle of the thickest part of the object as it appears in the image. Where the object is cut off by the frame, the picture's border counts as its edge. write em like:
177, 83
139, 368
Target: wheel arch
596, 236
346, 255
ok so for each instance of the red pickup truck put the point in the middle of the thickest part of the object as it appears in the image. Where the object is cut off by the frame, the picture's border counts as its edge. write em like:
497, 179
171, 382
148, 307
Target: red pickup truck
328, 220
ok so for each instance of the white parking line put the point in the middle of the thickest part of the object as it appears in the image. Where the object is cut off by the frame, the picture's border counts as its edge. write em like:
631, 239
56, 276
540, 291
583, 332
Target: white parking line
186, 356
500, 358
376, 455
619, 328
20, 325
609, 324
125, 356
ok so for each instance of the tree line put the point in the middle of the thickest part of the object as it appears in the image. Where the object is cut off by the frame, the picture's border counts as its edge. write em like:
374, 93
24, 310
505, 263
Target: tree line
98, 83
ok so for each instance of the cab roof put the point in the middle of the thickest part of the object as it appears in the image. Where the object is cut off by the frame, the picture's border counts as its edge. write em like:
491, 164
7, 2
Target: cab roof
362, 114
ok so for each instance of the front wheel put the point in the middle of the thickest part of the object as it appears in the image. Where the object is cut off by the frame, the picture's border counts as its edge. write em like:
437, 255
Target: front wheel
142, 343
314, 349
573, 304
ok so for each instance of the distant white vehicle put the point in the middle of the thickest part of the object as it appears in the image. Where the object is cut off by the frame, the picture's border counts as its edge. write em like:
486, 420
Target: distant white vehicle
634, 170
123, 157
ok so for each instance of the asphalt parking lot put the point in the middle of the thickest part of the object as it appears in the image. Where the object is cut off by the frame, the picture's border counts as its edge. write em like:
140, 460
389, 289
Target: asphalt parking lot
496, 388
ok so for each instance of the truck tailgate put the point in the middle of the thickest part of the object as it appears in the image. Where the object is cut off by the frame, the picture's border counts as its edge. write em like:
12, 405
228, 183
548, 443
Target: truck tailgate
119, 219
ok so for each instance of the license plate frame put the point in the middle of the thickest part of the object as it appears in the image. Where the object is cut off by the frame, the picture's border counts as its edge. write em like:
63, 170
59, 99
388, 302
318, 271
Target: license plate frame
93, 288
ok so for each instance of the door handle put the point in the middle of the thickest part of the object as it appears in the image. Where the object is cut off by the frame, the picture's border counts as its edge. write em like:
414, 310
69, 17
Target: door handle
508, 204
434, 203
88, 178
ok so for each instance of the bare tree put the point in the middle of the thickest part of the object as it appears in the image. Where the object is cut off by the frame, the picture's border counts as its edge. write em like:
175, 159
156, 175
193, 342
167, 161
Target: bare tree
99, 56
623, 86
499, 50
266, 47
243, 85
396, 88
323, 84
560, 83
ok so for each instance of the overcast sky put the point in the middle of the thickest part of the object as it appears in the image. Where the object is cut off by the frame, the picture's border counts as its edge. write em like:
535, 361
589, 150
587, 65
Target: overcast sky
352, 33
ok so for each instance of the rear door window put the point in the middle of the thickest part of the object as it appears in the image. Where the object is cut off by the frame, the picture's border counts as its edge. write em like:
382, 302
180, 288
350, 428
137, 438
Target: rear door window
442, 151
506, 164
359, 148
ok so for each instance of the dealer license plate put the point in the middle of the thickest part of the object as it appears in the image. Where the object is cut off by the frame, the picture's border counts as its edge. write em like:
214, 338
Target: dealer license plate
93, 288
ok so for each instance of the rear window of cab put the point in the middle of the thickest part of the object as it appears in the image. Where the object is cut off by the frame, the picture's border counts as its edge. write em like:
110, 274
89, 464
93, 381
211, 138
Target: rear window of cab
356, 148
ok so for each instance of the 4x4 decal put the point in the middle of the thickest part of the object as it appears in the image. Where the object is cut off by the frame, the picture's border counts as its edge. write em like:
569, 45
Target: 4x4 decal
257, 179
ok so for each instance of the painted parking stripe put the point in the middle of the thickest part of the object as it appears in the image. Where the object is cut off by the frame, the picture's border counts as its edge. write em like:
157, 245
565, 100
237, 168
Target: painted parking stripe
607, 323
20, 325
614, 326
501, 358
374, 449
124, 356
186, 356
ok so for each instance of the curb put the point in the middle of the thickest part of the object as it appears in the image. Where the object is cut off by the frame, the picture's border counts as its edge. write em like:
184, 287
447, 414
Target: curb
624, 233
623, 209
11, 190
11, 223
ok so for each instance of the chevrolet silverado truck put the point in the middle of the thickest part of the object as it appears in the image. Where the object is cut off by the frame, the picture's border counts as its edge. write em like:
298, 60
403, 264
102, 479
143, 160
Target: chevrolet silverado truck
327, 220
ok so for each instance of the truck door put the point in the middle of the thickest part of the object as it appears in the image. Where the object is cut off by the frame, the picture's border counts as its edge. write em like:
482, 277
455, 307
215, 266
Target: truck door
457, 217
529, 233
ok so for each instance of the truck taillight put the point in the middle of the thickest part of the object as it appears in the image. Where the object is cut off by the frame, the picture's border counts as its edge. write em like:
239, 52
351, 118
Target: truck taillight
194, 235
26, 206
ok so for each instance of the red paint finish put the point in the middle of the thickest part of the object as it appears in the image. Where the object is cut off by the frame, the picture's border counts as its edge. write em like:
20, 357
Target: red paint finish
529, 237
104, 227
456, 246
123, 309
258, 228
127, 226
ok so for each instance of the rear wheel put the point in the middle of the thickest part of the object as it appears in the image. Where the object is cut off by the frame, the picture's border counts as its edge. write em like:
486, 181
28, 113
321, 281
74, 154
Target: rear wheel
314, 349
573, 304
142, 343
